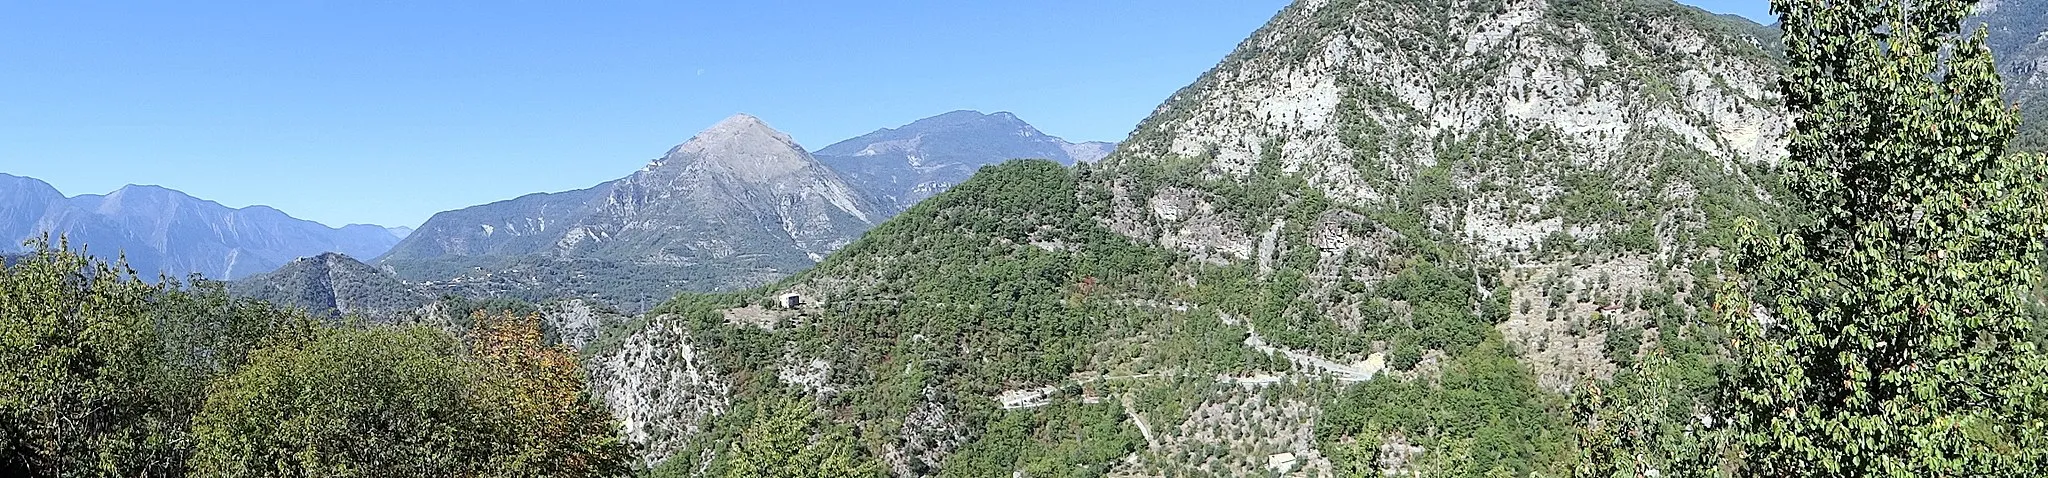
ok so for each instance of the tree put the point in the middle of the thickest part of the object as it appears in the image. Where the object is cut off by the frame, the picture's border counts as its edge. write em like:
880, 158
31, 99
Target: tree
1884, 333
77, 356
787, 440
409, 401
1642, 424
536, 397
351, 402
102, 372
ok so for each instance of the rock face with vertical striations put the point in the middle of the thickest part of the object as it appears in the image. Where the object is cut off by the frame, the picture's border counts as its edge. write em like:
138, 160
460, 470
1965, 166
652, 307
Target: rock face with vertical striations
738, 205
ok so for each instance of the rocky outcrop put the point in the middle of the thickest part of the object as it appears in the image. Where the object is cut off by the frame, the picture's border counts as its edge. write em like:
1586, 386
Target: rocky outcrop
660, 387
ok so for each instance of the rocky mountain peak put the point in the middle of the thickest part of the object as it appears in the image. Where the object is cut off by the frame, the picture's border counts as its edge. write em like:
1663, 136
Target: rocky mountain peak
741, 144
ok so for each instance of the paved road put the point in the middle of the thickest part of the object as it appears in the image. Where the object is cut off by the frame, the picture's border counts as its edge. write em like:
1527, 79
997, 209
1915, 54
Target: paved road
1143, 428
1348, 373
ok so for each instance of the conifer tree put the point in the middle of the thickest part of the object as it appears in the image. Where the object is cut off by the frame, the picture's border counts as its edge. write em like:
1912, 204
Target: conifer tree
1885, 330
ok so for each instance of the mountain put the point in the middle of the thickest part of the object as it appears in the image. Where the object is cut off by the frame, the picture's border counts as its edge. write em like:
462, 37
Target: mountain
738, 205
332, 285
2017, 32
1381, 237
400, 231
335, 286
906, 165
161, 230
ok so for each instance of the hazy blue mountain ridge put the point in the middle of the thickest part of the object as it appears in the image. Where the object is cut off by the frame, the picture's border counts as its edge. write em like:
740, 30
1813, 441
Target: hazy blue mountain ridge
164, 231
906, 165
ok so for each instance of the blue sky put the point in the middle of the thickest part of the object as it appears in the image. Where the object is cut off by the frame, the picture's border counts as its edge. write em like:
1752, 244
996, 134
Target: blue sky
386, 112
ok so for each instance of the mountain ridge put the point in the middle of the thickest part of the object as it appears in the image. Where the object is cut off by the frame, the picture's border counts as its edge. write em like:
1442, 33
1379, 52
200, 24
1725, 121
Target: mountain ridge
1369, 202
736, 205
165, 231
904, 165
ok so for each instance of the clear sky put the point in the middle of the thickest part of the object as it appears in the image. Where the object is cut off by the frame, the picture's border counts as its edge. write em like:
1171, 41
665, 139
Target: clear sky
385, 112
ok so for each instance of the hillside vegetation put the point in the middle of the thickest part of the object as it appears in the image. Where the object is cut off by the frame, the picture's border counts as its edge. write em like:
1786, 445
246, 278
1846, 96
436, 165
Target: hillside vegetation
110, 375
1440, 238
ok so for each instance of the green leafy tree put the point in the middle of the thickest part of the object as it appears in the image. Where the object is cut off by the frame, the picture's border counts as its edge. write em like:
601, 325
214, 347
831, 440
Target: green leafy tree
535, 397
1886, 331
78, 356
410, 401
101, 372
787, 440
351, 402
1643, 423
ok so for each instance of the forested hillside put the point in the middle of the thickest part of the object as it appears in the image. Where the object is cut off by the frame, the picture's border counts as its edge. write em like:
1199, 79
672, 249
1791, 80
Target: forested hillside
1466, 208
1500, 238
333, 286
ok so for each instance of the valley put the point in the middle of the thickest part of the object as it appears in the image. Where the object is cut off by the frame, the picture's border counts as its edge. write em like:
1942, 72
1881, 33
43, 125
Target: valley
1378, 238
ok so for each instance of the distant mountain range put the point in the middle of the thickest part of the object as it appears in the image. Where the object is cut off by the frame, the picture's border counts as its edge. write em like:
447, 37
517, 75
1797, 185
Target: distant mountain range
163, 231
903, 166
738, 205
2017, 32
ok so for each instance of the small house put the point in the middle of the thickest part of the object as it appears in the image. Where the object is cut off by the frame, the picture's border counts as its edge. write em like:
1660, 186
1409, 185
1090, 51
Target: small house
1281, 463
790, 301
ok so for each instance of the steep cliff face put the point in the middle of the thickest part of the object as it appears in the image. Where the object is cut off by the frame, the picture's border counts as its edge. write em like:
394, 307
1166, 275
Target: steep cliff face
1507, 100
1590, 151
660, 387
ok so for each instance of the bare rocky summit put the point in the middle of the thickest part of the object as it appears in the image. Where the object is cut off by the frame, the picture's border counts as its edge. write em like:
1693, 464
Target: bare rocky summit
738, 205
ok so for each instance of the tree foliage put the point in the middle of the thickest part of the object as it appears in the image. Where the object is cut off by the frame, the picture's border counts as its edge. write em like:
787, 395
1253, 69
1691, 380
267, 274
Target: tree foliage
101, 372
349, 402
1887, 335
411, 401
787, 440
534, 394
105, 374
1483, 416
